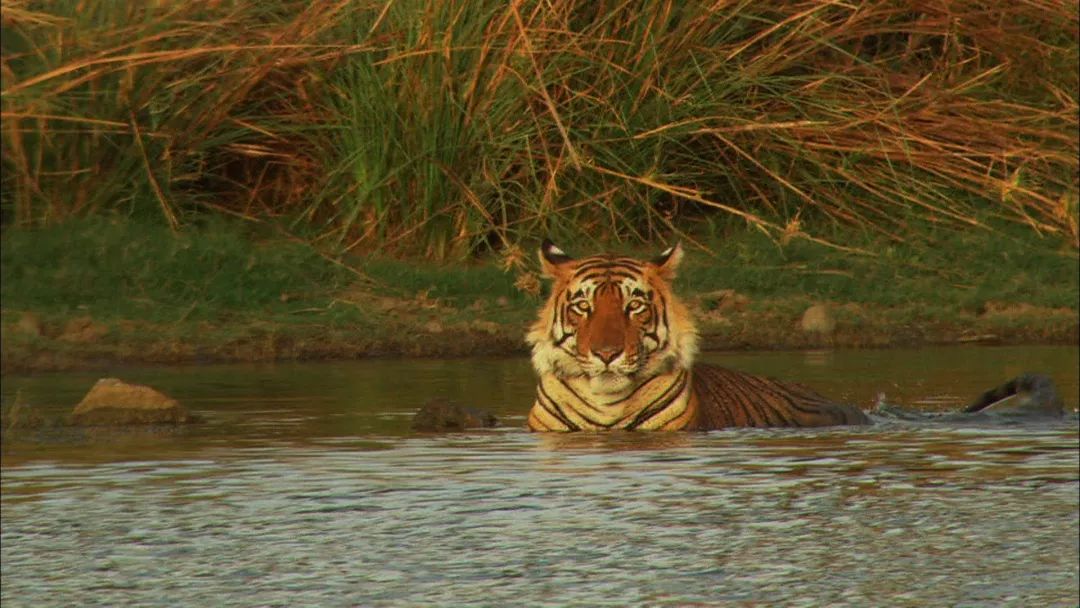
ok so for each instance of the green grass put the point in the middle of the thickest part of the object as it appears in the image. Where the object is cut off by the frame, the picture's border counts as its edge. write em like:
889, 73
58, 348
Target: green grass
112, 268
117, 268
456, 283
964, 269
222, 291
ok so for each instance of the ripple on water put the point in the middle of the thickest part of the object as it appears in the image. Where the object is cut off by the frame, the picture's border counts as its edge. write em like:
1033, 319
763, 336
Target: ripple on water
983, 517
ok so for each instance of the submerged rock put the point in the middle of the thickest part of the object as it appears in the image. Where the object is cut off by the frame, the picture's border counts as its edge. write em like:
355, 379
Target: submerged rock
115, 402
443, 415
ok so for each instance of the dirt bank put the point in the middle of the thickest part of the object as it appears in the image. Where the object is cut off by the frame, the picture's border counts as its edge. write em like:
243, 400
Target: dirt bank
31, 343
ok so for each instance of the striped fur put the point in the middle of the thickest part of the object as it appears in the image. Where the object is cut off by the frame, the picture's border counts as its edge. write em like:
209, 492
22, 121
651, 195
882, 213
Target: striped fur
726, 398
613, 348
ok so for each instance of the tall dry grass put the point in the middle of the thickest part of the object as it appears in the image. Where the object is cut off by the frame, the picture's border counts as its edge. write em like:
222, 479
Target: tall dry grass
441, 128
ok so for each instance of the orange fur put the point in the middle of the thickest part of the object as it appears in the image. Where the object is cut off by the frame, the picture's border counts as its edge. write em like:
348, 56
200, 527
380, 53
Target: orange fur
614, 348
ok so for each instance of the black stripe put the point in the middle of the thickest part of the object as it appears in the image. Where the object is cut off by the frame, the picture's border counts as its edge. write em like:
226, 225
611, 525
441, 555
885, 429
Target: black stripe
642, 419
772, 392
556, 413
810, 409
745, 401
663, 400
663, 318
560, 311
624, 264
537, 423
558, 320
586, 402
781, 406
606, 276
768, 397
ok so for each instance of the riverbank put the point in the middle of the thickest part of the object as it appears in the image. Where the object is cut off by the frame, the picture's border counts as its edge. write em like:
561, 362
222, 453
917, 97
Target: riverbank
771, 326
97, 293
277, 180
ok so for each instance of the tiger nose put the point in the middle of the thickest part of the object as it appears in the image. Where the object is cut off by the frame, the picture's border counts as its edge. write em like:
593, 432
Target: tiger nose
607, 354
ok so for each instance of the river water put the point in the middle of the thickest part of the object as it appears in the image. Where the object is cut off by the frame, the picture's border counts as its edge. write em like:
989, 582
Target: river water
305, 487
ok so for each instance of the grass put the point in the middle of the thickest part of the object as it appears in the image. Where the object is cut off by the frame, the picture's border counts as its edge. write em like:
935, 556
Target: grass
224, 292
444, 130
109, 267
267, 179
934, 265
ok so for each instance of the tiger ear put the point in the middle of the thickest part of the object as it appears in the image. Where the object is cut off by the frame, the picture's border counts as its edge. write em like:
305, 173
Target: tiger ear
552, 259
668, 261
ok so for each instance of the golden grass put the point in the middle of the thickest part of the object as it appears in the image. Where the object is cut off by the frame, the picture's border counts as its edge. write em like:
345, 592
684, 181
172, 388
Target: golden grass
443, 128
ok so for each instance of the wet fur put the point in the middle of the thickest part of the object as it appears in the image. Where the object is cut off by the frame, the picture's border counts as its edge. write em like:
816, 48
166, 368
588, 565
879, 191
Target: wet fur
614, 349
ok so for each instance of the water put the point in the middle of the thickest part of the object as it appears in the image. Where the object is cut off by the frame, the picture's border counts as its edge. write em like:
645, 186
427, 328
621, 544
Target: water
305, 488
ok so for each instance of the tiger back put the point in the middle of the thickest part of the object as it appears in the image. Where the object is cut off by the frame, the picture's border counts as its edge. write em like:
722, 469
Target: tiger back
729, 398
614, 348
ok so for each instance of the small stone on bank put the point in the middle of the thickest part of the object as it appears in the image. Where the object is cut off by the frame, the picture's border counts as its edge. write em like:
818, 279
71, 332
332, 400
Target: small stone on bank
29, 324
818, 319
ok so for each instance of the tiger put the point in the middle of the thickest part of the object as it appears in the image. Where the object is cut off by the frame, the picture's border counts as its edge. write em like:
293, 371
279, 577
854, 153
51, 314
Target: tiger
614, 348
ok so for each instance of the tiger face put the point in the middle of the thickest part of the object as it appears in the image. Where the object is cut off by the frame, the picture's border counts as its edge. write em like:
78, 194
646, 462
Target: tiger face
611, 321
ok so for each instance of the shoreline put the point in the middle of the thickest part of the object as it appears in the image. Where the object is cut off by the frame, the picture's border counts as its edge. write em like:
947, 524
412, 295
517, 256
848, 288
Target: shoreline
143, 295
103, 346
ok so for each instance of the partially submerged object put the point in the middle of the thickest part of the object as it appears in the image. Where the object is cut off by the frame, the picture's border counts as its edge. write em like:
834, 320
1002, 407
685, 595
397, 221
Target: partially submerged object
614, 348
1026, 394
441, 415
1029, 396
113, 402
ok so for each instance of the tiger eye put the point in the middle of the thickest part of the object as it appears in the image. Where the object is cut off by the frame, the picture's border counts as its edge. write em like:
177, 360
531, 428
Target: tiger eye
580, 308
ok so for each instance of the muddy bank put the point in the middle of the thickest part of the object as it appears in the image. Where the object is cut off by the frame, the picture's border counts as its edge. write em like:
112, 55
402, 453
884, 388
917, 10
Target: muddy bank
30, 344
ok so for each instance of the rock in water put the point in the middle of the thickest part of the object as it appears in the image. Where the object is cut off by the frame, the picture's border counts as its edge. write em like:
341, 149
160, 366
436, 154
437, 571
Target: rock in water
114, 402
440, 415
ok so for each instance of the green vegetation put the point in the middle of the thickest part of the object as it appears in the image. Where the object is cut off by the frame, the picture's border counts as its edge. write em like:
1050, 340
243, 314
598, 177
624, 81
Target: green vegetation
224, 291
112, 268
939, 266
250, 179
445, 129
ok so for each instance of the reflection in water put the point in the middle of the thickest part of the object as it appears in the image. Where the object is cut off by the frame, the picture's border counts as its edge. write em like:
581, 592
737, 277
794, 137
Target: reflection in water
305, 487
612, 441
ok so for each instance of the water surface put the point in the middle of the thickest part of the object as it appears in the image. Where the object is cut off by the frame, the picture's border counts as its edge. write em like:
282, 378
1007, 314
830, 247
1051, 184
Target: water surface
305, 487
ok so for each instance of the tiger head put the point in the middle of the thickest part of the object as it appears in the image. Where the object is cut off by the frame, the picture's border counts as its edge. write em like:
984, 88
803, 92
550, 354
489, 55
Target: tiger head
613, 320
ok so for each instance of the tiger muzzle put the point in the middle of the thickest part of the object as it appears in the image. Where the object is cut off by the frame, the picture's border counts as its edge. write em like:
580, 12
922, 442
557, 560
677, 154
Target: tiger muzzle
608, 329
